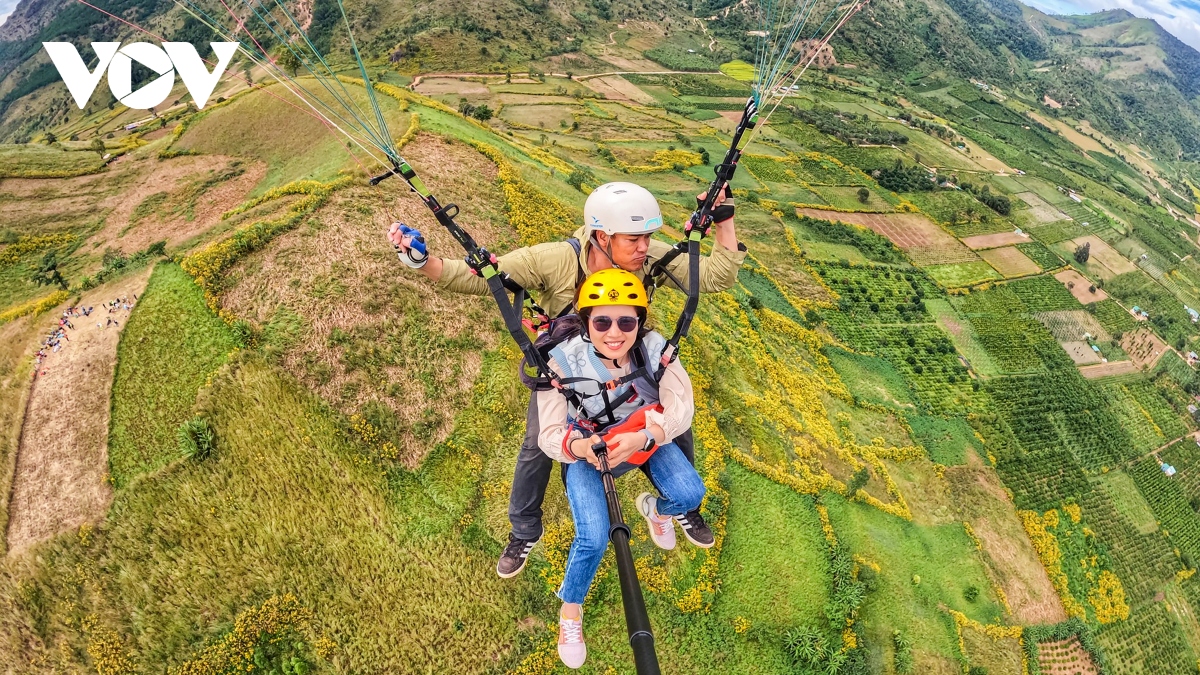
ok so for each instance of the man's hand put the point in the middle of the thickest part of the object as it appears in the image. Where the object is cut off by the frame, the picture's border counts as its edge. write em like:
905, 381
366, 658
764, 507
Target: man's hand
722, 210
409, 244
411, 248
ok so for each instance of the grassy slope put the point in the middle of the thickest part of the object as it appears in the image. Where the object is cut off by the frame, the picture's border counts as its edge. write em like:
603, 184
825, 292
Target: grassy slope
427, 505
775, 557
171, 345
301, 148
286, 506
904, 549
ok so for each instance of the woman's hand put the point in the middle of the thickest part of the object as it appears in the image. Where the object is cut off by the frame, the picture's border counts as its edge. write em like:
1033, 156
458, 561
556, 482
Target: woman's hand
582, 448
623, 446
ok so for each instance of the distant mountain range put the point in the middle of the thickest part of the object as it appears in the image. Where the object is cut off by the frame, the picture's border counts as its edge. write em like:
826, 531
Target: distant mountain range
1124, 74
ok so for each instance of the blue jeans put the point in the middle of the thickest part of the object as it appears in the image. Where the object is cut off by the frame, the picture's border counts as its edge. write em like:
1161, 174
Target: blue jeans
677, 481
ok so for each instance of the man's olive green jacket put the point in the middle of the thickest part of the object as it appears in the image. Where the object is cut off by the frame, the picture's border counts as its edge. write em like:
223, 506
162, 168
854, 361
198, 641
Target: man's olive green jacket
552, 270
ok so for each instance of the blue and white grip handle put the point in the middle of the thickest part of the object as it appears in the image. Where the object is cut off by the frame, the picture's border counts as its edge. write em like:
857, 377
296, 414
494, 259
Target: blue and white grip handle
415, 255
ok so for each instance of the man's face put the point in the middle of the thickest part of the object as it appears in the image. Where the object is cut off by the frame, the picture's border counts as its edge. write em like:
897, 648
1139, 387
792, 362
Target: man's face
628, 251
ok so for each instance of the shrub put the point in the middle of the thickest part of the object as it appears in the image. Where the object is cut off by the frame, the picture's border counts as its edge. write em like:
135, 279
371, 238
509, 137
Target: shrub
1083, 252
971, 594
197, 440
580, 176
902, 658
805, 645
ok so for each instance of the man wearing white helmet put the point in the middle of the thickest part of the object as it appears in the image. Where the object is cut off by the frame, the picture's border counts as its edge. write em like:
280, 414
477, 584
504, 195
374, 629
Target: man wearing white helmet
619, 219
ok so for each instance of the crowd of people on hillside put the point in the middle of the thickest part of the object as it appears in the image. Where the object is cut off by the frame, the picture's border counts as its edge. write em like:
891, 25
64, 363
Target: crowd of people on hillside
57, 338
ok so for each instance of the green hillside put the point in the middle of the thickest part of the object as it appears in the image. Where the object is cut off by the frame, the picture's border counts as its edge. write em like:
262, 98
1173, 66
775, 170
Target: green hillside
931, 424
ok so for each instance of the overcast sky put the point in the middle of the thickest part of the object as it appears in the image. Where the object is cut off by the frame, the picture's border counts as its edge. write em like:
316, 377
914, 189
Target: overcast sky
1181, 18
6, 8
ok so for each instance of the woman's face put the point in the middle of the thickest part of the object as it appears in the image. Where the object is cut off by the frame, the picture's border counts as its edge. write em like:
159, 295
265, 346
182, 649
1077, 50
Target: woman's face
605, 330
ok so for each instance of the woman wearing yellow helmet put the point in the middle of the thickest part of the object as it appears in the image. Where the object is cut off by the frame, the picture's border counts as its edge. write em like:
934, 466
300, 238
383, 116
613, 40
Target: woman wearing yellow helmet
613, 367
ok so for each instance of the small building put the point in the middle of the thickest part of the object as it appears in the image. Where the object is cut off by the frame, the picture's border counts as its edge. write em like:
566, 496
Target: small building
1192, 313
1167, 469
1074, 197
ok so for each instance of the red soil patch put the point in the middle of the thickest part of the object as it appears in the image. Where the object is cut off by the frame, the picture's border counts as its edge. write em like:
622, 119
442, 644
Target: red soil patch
1144, 347
340, 274
1079, 286
918, 236
1013, 564
1108, 369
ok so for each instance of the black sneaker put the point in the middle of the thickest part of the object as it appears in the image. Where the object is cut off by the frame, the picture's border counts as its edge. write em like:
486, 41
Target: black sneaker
695, 529
512, 561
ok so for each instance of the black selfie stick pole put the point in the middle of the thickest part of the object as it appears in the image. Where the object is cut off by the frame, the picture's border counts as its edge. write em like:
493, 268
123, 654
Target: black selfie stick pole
636, 620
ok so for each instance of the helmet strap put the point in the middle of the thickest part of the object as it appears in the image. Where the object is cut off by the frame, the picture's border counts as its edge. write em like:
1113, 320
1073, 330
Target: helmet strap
606, 250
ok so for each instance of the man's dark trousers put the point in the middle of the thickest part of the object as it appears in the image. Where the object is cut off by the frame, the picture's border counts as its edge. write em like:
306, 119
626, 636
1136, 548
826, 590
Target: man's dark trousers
532, 475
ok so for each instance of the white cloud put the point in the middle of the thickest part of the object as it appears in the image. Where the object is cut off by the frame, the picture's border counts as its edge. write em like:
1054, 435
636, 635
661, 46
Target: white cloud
1181, 18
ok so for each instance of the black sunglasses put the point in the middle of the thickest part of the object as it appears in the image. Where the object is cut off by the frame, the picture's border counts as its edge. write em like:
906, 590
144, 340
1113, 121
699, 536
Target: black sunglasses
603, 323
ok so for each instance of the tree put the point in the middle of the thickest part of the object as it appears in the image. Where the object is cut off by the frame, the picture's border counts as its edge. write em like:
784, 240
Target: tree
857, 482
864, 195
98, 147
1083, 252
47, 273
580, 176
482, 113
285, 58
51, 138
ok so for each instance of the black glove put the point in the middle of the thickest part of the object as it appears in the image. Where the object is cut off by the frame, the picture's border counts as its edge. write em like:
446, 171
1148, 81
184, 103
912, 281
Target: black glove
723, 212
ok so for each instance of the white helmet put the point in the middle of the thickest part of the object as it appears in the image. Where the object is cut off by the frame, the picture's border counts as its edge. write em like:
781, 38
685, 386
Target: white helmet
622, 208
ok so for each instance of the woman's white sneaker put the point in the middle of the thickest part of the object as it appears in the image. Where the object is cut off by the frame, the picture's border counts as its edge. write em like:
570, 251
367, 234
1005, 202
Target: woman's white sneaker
571, 648
662, 528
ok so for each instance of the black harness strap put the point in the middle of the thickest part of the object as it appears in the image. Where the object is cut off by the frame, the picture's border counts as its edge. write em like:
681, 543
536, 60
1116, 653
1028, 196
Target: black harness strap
697, 228
483, 263
640, 370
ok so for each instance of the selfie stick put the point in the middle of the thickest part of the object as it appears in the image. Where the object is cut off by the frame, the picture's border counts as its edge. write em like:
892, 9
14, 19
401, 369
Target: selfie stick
636, 620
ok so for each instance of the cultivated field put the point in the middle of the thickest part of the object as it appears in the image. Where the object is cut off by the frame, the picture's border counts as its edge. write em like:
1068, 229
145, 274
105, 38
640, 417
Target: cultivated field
1010, 262
1080, 287
297, 456
920, 238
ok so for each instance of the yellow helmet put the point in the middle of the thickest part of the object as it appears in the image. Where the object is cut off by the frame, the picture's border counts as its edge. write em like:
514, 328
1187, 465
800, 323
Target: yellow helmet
612, 287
